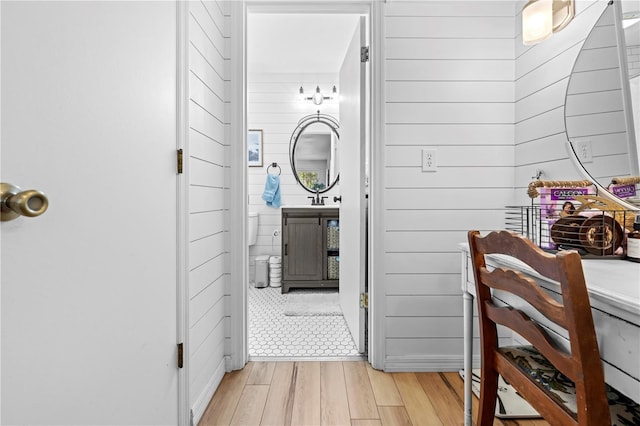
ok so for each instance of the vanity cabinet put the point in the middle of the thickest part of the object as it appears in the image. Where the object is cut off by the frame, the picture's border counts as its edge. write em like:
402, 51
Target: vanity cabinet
310, 247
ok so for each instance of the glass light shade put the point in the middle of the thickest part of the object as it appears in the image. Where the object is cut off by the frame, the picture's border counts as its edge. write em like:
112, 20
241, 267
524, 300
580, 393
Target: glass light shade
317, 98
537, 21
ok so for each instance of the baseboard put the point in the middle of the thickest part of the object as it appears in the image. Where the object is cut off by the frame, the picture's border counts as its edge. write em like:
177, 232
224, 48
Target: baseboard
203, 400
425, 363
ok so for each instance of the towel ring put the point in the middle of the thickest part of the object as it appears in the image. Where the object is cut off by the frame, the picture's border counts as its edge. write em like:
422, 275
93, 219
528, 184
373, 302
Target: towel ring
274, 165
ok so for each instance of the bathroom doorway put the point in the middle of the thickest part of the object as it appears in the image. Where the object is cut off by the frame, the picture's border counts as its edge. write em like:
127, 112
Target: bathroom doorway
289, 57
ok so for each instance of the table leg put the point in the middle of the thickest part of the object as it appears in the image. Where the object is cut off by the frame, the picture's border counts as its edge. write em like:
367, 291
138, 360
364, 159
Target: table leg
468, 355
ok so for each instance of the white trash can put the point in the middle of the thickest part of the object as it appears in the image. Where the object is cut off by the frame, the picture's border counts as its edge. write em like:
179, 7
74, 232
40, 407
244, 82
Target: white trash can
262, 271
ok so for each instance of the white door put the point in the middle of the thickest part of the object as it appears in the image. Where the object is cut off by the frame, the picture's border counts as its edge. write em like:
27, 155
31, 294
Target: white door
89, 288
352, 190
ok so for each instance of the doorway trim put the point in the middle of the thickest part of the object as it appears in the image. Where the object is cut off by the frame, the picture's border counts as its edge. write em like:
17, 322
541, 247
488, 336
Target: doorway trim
238, 350
182, 232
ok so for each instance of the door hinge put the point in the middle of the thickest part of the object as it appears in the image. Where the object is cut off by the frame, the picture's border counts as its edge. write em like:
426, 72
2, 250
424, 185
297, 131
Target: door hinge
364, 54
180, 155
180, 355
364, 300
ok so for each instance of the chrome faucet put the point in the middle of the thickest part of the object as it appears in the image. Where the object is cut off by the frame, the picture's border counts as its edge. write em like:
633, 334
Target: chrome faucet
317, 200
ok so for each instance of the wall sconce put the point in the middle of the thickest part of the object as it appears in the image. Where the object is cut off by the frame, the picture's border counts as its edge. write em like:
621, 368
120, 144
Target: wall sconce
542, 18
318, 97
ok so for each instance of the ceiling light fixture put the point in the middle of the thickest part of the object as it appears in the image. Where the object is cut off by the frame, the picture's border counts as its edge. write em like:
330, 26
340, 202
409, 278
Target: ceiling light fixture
318, 98
542, 18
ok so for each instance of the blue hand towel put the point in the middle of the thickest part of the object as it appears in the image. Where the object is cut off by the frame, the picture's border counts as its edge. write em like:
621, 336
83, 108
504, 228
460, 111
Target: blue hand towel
271, 192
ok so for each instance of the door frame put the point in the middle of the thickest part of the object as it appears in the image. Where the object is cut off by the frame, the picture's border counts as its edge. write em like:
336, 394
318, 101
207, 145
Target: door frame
239, 259
182, 206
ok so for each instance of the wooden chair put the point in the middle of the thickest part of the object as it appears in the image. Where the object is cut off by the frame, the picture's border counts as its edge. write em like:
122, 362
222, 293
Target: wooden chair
534, 371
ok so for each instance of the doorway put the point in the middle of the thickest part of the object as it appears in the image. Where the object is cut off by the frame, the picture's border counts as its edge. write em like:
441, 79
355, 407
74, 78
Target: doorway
277, 78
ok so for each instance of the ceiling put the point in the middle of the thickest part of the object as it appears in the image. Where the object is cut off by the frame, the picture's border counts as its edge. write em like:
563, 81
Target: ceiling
297, 43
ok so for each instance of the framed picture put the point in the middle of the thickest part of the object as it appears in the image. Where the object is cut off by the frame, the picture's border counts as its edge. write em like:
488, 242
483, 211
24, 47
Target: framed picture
254, 148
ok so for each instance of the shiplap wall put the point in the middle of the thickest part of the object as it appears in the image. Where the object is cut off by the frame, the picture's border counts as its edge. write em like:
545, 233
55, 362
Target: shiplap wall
274, 107
449, 85
594, 108
542, 76
207, 253
457, 79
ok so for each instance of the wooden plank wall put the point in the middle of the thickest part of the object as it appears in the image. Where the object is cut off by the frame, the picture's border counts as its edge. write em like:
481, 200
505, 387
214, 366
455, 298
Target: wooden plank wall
273, 106
207, 253
542, 76
449, 85
595, 107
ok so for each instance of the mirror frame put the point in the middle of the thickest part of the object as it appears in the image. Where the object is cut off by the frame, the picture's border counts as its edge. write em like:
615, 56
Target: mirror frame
632, 148
303, 123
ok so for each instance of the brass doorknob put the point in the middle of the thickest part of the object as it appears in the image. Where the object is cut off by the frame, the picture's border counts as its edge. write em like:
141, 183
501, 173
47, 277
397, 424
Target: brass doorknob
14, 202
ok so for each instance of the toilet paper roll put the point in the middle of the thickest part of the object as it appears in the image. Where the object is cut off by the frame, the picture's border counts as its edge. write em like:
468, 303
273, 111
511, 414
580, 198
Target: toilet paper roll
275, 260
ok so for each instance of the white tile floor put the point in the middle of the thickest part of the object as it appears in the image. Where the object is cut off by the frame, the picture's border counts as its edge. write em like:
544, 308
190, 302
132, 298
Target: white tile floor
275, 335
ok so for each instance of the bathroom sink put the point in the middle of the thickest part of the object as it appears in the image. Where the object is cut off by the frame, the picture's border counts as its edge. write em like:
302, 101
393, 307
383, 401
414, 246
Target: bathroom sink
306, 206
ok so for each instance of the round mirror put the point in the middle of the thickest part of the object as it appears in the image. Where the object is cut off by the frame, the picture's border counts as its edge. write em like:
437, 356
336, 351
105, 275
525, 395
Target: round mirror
599, 108
313, 153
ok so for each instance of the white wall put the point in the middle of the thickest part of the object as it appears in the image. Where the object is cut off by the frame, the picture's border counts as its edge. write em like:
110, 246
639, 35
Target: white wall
594, 107
274, 107
542, 76
458, 79
449, 85
208, 211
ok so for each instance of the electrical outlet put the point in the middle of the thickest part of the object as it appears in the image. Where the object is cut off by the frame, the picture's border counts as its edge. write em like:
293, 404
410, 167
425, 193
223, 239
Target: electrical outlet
583, 151
429, 160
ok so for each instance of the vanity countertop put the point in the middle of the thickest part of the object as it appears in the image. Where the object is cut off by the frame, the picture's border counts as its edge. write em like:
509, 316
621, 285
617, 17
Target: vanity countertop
309, 206
613, 284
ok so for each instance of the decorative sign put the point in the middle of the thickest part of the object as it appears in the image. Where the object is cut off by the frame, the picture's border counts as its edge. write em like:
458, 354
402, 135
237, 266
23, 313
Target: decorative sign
558, 194
624, 191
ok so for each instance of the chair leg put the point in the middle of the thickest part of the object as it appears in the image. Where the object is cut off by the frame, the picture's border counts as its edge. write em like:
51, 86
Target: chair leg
488, 394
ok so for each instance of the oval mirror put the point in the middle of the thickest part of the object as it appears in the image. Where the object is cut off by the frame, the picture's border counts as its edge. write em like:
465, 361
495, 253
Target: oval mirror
599, 114
313, 153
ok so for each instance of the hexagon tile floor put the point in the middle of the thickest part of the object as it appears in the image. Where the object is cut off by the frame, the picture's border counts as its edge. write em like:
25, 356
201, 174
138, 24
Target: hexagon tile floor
275, 335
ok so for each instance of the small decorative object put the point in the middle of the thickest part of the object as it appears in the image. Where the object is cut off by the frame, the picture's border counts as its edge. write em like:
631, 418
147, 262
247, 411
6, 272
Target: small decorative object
633, 242
254, 148
333, 234
333, 267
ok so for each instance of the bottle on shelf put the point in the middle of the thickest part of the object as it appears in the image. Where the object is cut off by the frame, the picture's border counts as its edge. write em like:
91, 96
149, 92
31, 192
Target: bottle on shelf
633, 242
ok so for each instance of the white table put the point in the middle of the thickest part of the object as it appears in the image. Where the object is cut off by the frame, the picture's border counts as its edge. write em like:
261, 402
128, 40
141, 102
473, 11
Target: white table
614, 293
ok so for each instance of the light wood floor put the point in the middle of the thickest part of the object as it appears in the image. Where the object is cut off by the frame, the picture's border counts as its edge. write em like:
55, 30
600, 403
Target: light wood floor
338, 393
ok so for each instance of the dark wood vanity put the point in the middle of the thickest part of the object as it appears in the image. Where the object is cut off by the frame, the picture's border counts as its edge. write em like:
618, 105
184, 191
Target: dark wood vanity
310, 247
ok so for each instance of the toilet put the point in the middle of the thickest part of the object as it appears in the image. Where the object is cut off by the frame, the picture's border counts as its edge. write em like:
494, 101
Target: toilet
261, 262
252, 232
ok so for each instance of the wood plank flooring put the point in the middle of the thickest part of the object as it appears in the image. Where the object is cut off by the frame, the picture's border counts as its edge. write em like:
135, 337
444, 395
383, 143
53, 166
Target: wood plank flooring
339, 393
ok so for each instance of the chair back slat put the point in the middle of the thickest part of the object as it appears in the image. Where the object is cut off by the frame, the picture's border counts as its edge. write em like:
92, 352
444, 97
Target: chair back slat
526, 288
522, 249
520, 322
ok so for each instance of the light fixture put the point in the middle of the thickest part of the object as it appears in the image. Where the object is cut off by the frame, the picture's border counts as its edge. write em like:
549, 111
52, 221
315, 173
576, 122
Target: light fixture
630, 18
318, 98
542, 18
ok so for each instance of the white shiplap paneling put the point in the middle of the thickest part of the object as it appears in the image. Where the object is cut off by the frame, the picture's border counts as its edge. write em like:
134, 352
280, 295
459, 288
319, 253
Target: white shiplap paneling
207, 202
540, 127
449, 84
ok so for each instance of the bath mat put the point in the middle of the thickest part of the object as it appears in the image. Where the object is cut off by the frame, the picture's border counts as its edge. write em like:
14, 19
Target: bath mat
509, 403
313, 302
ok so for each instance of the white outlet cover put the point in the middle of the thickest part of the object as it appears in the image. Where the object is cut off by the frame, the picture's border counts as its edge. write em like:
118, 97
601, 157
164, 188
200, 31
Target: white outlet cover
429, 160
583, 151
